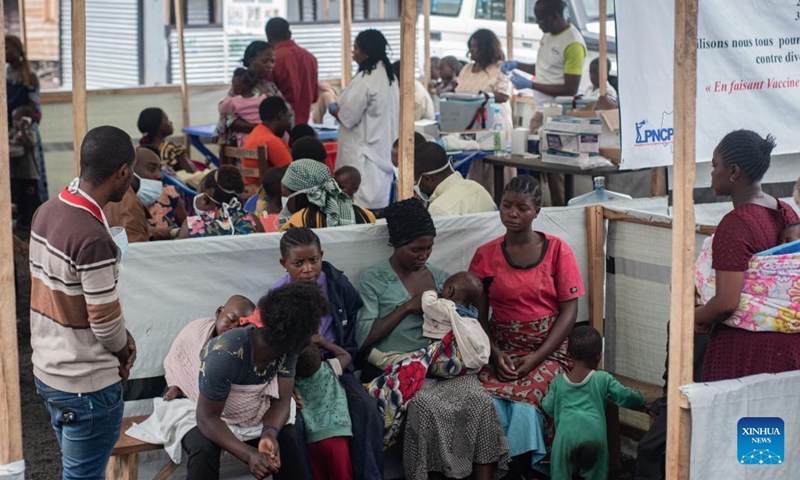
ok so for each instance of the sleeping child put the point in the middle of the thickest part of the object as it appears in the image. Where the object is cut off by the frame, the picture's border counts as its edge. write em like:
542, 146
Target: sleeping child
183, 360
577, 401
327, 420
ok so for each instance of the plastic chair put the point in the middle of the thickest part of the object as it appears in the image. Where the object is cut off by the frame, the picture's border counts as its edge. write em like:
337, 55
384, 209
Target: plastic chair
250, 204
393, 191
181, 187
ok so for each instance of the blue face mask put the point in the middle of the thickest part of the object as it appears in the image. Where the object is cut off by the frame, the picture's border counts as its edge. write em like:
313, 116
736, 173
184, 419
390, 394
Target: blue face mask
149, 190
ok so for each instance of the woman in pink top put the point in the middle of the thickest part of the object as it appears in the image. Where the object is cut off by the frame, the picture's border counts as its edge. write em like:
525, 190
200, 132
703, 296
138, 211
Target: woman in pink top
244, 102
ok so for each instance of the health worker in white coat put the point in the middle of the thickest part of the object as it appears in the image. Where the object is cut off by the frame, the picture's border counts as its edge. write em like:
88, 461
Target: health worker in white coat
368, 114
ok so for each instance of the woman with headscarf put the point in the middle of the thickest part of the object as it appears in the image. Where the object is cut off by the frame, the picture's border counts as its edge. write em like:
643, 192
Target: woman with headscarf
389, 329
314, 200
218, 210
22, 88
259, 60
368, 112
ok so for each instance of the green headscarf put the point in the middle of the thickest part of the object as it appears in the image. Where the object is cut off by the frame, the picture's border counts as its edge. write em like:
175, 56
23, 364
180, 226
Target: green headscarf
314, 180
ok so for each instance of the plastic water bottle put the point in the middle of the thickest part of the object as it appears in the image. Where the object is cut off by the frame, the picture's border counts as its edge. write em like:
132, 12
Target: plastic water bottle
598, 195
497, 131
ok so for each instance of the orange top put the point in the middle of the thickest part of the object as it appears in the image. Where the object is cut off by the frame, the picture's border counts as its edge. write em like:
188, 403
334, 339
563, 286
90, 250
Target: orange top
278, 153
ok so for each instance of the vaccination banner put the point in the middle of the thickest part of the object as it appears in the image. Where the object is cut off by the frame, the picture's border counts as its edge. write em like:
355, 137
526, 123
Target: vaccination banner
748, 75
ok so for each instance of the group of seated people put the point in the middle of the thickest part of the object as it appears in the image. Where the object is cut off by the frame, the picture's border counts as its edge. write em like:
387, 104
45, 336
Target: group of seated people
411, 356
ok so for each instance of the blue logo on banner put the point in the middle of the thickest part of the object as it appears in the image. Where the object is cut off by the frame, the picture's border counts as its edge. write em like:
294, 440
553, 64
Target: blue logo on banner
662, 134
760, 441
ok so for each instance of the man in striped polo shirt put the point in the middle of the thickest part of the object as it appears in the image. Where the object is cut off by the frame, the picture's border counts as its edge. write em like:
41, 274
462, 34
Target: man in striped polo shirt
81, 350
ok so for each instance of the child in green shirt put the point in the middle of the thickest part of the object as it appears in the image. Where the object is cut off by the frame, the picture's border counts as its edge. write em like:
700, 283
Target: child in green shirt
577, 401
327, 420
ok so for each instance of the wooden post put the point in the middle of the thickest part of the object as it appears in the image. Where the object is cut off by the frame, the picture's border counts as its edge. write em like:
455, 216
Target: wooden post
182, 59
595, 229
408, 17
658, 182
80, 124
681, 325
345, 20
381, 9
10, 409
23, 32
603, 71
510, 29
327, 12
426, 12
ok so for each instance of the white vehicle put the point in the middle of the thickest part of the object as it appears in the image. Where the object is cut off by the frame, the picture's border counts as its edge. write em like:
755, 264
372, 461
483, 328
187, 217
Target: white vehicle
454, 21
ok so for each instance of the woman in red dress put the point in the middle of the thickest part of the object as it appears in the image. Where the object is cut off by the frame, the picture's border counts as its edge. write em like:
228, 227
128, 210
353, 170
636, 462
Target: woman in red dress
533, 283
739, 163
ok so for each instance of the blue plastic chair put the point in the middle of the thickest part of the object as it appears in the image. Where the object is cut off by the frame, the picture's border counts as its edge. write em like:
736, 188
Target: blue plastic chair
181, 187
393, 190
250, 204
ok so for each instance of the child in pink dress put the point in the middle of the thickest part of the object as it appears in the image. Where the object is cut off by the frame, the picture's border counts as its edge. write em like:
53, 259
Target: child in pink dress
244, 100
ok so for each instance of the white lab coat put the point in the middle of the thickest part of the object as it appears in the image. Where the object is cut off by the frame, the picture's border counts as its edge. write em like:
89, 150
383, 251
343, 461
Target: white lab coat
369, 111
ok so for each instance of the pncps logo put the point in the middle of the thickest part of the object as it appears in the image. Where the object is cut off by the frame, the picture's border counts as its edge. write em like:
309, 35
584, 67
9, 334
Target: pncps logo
760, 441
651, 133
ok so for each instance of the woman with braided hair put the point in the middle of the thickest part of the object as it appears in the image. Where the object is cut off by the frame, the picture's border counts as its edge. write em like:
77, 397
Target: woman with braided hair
314, 199
368, 112
451, 427
532, 282
738, 164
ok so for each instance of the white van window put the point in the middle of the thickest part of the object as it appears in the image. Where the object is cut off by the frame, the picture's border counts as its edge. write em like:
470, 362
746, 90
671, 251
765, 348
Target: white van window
593, 10
530, 17
446, 8
490, 9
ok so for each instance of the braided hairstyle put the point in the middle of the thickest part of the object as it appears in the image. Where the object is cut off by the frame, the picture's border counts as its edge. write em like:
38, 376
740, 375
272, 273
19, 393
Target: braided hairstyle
253, 50
748, 151
298, 237
528, 186
149, 123
373, 44
290, 315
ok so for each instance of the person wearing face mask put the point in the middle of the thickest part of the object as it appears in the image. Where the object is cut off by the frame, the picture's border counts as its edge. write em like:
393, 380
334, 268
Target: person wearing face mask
132, 213
218, 209
81, 349
168, 211
445, 191
311, 198
390, 329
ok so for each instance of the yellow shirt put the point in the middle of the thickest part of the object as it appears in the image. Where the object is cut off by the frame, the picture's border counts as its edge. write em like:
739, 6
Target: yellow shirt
458, 196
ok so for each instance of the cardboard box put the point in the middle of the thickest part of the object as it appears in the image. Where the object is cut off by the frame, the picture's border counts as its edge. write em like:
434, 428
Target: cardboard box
572, 142
569, 124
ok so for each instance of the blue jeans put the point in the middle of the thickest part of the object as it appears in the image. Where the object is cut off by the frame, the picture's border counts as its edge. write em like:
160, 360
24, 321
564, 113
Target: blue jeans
87, 427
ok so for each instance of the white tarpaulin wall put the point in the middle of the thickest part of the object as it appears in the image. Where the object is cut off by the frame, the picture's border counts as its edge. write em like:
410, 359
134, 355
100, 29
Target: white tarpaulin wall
747, 76
717, 409
165, 285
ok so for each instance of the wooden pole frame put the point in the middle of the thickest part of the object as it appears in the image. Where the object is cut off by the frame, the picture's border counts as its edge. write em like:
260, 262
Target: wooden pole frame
510, 29
80, 124
426, 12
23, 31
10, 406
179, 25
681, 326
345, 20
405, 151
603, 71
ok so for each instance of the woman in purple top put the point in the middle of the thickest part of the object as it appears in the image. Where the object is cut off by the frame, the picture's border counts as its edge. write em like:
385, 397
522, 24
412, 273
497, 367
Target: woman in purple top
301, 256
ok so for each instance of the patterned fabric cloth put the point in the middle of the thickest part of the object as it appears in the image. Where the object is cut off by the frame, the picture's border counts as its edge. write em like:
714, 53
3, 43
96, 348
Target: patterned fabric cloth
236, 222
314, 180
447, 436
162, 213
398, 384
770, 300
170, 152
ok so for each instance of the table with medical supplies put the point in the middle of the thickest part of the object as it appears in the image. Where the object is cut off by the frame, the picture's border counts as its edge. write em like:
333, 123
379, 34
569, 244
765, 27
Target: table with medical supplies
534, 164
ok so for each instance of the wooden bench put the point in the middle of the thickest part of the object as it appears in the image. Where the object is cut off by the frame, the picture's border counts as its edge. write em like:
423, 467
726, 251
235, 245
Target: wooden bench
124, 461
